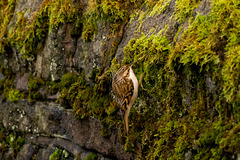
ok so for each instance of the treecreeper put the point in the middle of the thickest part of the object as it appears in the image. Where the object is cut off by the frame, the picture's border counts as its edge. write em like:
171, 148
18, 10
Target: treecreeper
125, 88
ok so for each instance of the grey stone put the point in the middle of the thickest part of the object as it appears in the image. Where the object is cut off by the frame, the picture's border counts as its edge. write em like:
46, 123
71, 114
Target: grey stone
188, 155
26, 152
45, 153
90, 55
58, 127
27, 6
204, 7
22, 82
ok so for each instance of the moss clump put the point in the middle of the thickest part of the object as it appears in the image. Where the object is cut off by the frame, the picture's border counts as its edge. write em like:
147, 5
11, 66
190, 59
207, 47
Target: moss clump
34, 84
59, 154
10, 140
89, 100
14, 95
91, 156
184, 9
89, 28
6, 13
28, 34
150, 54
67, 79
6, 84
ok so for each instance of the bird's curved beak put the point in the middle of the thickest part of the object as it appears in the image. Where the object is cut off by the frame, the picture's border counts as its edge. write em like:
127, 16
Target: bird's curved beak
132, 63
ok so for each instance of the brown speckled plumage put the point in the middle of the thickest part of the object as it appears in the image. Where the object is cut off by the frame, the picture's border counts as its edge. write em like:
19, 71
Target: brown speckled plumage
125, 89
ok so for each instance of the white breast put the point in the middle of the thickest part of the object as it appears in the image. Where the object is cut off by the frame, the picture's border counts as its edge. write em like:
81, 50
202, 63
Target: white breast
135, 85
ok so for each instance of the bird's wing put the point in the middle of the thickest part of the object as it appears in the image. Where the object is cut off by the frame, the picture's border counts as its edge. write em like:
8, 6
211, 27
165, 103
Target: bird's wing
123, 89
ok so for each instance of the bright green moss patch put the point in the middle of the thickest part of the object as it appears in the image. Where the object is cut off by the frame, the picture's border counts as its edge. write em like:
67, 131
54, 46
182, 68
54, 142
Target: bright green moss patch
184, 9
59, 154
91, 156
14, 95
90, 28
211, 42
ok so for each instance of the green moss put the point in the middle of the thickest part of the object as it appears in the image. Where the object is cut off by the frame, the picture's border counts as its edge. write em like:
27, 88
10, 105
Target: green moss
64, 11
6, 13
184, 9
14, 95
67, 79
59, 154
190, 102
89, 28
7, 84
53, 87
113, 13
203, 125
28, 35
15, 142
10, 140
34, 84
91, 156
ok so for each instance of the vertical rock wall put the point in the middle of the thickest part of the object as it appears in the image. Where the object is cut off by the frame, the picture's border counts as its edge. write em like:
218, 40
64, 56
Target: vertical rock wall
55, 81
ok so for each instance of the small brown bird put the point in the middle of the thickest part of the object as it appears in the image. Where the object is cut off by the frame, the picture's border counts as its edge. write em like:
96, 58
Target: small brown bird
125, 89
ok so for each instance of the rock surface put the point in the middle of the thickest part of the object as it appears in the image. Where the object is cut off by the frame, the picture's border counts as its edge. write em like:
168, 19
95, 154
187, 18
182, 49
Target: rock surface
49, 124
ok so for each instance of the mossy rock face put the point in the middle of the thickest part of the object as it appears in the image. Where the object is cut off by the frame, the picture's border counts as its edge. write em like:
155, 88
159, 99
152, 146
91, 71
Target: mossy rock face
189, 106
